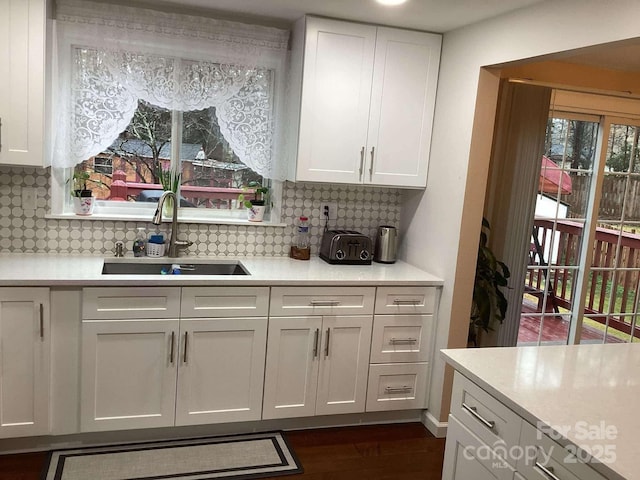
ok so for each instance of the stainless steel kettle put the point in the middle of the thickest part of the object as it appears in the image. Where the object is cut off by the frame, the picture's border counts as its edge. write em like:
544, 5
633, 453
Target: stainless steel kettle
386, 244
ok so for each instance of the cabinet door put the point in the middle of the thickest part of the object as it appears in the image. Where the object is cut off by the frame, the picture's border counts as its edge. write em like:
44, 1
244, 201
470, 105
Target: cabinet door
128, 374
221, 372
291, 371
22, 83
338, 63
344, 365
402, 105
24, 362
467, 458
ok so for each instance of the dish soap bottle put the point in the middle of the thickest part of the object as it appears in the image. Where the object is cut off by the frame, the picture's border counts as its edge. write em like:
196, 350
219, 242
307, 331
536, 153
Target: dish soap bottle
140, 243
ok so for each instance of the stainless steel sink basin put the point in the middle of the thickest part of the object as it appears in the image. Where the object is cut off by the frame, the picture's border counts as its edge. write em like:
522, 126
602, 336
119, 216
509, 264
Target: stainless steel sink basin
187, 268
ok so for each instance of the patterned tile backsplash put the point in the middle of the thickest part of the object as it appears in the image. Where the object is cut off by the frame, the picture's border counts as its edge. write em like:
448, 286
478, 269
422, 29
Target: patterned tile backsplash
28, 231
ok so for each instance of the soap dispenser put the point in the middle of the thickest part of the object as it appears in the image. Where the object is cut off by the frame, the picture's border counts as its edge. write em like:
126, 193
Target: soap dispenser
140, 243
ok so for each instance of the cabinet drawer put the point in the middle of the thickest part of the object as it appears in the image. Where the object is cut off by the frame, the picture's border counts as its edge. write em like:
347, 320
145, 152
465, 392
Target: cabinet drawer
290, 301
130, 303
543, 453
397, 386
467, 457
401, 338
485, 416
214, 302
394, 300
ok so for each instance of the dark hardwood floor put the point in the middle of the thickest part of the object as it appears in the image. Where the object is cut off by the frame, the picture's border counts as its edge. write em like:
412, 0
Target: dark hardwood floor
378, 452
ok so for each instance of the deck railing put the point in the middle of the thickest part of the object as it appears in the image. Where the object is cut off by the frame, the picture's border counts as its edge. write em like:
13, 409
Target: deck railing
207, 197
614, 257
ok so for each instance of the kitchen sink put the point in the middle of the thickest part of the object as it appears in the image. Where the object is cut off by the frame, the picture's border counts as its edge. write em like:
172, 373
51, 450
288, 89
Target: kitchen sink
187, 268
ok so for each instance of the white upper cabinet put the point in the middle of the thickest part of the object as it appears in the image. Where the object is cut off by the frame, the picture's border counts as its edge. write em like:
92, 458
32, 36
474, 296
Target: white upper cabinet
23, 33
367, 101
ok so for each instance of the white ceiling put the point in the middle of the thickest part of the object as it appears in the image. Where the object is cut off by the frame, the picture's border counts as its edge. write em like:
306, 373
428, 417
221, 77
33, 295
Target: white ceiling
430, 15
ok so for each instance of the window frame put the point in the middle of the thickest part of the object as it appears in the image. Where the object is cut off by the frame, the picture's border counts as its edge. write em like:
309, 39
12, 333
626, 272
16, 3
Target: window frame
72, 36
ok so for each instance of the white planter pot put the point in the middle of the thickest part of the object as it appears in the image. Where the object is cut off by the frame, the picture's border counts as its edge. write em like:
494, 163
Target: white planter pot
83, 205
256, 213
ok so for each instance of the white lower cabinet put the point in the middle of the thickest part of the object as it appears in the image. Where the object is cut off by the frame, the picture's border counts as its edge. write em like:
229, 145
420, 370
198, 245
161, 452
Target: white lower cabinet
466, 457
128, 374
401, 348
316, 365
221, 371
158, 372
24, 361
548, 459
487, 440
170, 356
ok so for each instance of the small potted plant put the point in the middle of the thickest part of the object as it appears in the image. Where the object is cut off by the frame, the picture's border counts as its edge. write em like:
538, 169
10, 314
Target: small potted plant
82, 196
257, 205
170, 180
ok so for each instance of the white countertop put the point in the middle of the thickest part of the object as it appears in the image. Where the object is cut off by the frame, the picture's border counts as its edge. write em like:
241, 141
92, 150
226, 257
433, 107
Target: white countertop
564, 385
61, 270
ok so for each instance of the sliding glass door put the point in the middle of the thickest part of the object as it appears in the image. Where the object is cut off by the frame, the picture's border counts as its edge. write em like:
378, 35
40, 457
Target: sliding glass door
581, 283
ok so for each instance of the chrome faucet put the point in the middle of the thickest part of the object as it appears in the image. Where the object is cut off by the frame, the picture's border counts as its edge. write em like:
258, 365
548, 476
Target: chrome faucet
174, 244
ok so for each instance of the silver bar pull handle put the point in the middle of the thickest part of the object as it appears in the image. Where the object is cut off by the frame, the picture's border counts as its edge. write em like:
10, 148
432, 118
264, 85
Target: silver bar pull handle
326, 347
41, 321
547, 471
397, 301
490, 424
402, 341
1, 134
173, 347
373, 150
324, 303
186, 344
404, 389
361, 162
316, 339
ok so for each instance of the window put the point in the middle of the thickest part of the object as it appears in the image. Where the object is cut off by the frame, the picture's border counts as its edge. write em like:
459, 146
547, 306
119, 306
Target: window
103, 165
210, 173
202, 105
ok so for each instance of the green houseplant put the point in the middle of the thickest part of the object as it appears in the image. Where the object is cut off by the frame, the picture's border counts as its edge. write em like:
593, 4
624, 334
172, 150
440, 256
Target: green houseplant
82, 196
257, 205
170, 181
489, 305
79, 183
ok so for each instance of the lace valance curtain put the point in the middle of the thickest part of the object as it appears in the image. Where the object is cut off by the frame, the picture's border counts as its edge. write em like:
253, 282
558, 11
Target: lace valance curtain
145, 55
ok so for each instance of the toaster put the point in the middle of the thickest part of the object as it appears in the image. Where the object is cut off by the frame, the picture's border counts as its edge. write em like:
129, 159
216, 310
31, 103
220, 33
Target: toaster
345, 247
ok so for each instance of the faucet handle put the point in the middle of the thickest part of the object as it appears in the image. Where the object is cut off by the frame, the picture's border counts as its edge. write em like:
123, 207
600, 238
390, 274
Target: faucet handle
119, 249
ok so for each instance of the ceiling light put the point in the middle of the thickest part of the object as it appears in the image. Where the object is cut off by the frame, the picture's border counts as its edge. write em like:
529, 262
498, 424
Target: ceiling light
391, 3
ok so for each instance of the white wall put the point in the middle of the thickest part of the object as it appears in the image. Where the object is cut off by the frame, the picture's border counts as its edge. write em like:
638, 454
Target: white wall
441, 225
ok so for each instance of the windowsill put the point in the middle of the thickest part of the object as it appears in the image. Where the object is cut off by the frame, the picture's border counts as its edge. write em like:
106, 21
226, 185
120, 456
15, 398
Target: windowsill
147, 218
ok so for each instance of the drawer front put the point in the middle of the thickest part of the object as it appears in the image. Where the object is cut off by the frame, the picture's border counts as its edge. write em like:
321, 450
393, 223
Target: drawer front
215, 302
486, 417
547, 459
293, 301
116, 303
401, 338
399, 300
466, 457
397, 386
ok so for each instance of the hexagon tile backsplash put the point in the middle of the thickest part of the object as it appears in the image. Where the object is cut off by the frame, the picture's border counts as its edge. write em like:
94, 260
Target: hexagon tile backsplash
28, 231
